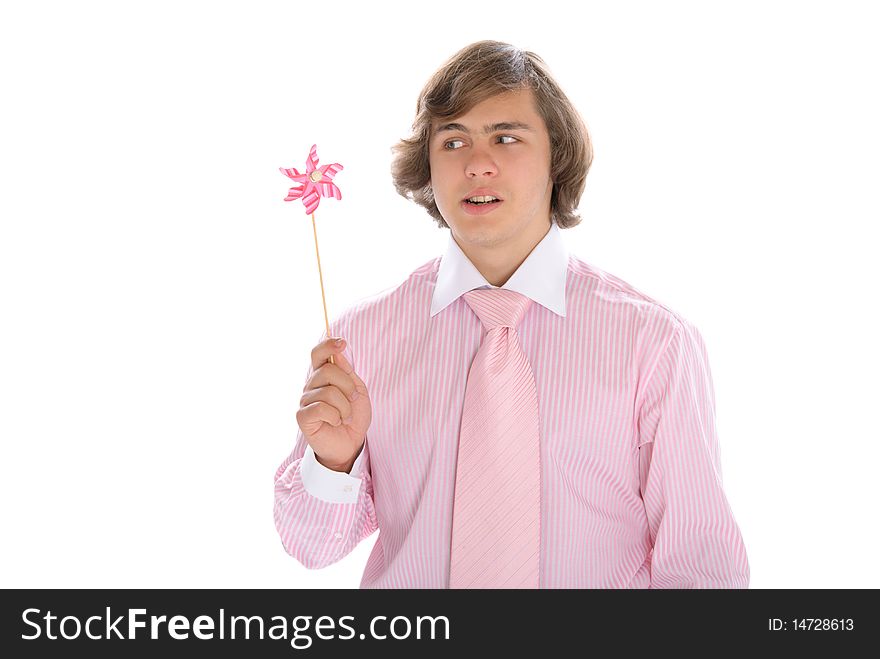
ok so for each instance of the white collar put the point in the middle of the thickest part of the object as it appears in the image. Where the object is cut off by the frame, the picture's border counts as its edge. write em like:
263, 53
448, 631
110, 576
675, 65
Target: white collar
541, 276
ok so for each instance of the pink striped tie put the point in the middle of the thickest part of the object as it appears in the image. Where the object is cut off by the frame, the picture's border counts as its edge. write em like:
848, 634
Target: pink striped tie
496, 517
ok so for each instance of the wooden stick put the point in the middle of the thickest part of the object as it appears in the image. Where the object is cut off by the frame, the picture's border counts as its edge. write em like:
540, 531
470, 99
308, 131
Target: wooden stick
321, 277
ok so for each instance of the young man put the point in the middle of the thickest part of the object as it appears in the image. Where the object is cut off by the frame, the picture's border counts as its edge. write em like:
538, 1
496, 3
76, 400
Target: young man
509, 416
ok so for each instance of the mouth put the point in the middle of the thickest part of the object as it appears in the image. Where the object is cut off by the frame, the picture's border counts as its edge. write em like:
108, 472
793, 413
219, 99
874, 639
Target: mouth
482, 203
480, 207
482, 199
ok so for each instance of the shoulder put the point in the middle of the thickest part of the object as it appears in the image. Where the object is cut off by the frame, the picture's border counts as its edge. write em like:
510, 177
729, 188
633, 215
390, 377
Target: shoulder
659, 337
401, 299
597, 284
653, 326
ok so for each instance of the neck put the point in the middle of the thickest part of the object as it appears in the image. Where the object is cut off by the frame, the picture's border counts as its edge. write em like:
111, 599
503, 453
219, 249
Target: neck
497, 263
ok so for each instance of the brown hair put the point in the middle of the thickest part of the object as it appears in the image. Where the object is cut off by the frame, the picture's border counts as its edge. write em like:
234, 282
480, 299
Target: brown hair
475, 73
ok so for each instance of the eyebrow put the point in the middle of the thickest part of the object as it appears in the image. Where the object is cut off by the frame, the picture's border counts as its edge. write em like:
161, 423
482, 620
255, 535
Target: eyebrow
488, 128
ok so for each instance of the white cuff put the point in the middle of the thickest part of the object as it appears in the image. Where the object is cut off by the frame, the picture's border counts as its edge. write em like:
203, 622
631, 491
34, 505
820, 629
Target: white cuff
327, 484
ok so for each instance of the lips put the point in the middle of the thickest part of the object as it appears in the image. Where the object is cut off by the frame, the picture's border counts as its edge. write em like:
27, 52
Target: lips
482, 192
479, 209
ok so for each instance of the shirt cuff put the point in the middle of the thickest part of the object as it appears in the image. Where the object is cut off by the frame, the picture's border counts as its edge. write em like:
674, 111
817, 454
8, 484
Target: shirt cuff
329, 485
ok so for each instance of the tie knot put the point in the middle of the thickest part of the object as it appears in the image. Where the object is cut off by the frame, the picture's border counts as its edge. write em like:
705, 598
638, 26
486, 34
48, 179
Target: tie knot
497, 307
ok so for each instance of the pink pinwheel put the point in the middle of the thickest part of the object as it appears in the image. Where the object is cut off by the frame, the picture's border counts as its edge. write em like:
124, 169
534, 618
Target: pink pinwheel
315, 183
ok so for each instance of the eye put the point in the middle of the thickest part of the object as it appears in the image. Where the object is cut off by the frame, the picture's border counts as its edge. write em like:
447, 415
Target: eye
447, 147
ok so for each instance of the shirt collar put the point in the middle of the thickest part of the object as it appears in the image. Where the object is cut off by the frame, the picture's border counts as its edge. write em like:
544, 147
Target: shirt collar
541, 277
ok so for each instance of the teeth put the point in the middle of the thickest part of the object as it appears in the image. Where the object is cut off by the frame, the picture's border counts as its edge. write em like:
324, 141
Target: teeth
480, 199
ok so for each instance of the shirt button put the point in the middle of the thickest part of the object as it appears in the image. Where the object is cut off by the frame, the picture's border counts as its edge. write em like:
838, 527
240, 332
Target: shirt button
346, 488
338, 536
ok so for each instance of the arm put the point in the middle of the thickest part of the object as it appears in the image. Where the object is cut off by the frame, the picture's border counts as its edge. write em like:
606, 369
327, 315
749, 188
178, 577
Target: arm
321, 514
696, 540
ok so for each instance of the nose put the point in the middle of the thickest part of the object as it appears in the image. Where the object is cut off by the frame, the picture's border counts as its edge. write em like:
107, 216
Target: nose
480, 164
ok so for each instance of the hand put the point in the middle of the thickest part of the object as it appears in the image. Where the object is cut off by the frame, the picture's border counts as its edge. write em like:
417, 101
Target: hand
334, 425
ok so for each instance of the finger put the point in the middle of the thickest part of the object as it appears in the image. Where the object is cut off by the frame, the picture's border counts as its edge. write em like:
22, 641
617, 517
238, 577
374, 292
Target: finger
330, 395
321, 352
359, 384
316, 412
342, 362
331, 374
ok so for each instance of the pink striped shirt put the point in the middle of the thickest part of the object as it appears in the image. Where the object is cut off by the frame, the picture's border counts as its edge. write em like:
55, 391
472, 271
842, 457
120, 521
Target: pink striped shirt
631, 486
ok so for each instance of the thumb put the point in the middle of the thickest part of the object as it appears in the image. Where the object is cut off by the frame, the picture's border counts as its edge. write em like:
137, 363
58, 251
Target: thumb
345, 365
359, 384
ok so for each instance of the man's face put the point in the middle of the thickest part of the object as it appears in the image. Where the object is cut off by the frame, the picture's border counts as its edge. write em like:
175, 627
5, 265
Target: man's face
500, 148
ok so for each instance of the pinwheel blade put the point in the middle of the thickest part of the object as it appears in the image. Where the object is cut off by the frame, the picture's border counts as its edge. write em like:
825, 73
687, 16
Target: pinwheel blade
329, 171
294, 193
311, 201
312, 161
329, 190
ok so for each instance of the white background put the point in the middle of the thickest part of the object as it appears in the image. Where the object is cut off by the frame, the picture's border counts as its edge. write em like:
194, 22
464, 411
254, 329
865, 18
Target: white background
159, 300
